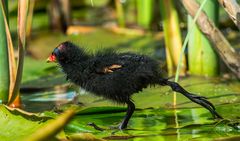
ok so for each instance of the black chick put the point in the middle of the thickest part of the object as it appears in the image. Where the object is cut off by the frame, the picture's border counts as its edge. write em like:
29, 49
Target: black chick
116, 76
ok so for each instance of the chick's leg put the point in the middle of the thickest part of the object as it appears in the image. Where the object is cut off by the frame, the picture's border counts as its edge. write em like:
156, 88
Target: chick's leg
195, 98
130, 110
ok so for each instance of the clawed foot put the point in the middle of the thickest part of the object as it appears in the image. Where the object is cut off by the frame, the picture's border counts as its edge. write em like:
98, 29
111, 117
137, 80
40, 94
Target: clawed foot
95, 126
201, 100
197, 99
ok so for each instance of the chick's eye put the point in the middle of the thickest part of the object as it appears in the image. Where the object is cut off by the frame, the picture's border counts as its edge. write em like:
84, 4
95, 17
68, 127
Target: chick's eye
56, 52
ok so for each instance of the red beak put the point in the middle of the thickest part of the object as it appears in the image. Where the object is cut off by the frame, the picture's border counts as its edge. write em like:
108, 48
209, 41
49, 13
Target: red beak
51, 58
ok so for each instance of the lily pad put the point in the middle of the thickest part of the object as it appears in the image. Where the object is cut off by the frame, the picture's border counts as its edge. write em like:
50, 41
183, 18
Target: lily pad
16, 125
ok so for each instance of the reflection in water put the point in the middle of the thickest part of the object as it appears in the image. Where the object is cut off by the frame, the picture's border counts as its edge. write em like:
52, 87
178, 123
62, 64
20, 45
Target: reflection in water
38, 102
151, 124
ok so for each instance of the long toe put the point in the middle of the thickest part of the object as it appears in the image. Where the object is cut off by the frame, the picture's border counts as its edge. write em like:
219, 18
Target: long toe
218, 116
197, 96
95, 126
208, 105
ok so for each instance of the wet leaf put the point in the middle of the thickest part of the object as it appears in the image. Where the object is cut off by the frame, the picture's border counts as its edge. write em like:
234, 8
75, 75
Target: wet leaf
16, 124
49, 130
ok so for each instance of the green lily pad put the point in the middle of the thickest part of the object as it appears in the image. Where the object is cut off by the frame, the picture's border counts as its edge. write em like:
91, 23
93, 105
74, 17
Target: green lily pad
16, 125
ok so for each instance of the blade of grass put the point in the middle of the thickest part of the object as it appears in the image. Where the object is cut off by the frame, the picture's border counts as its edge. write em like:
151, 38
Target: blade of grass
5, 7
172, 35
186, 41
30, 18
22, 20
170, 65
120, 13
12, 62
184, 47
51, 129
4, 65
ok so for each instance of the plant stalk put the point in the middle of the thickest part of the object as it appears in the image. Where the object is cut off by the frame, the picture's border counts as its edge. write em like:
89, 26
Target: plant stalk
172, 37
22, 21
120, 13
4, 66
202, 58
144, 13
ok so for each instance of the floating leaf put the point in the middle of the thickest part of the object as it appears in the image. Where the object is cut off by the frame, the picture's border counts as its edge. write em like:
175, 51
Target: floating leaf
17, 124
49, 130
